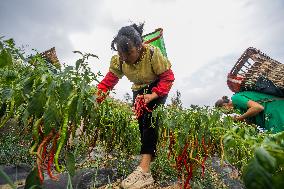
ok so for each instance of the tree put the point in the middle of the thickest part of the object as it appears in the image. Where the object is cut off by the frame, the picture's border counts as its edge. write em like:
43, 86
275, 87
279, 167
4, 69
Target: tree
127, 98
176, 100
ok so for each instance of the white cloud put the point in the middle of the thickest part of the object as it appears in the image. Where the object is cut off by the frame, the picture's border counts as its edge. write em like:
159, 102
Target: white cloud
203, 38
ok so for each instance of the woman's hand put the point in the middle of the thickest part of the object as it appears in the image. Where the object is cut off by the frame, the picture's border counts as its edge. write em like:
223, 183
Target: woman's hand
254, 108
238, 118
149, 97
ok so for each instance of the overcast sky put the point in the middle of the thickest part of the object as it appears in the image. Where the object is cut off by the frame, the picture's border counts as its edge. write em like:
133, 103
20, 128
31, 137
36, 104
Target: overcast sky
203, 38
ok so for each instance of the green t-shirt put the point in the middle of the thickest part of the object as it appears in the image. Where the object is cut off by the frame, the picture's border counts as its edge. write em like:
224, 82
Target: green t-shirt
272, 118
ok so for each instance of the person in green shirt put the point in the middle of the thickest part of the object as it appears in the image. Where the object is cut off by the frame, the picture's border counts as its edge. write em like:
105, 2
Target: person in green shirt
264, 110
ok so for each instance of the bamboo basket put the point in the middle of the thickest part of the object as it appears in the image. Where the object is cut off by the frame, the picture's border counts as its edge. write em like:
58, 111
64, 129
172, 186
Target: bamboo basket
252, 65
50, 56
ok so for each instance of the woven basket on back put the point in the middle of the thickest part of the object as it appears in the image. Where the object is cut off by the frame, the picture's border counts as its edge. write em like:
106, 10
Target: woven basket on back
156, 39
50, 56
252, 65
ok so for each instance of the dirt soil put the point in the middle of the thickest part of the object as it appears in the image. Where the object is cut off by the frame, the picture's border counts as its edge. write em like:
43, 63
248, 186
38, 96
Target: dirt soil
89, 178
84, 179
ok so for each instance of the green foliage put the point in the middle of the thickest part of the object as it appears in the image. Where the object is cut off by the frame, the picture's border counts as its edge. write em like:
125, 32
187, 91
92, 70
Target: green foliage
65, 103
70, 163
5, 58
15, 142
266, 168
162, 168
32, 180
58, 109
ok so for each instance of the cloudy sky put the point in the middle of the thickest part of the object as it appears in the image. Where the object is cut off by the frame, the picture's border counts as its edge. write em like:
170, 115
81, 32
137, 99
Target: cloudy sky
203, 38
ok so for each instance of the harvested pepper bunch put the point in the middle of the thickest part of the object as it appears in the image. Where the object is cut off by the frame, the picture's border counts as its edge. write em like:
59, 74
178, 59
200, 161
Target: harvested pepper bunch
140, 106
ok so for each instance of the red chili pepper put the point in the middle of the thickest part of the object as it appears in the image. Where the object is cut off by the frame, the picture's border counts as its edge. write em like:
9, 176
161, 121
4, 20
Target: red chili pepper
189, 172
179, 162
51, 158
44, 156
40, 175
203, 166
39, 161
140, 106
49, 172
185, 149
205, 157
180, 158
172, 142
204, 145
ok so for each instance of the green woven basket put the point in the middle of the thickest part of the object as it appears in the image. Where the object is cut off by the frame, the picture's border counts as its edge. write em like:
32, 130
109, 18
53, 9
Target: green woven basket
156, 39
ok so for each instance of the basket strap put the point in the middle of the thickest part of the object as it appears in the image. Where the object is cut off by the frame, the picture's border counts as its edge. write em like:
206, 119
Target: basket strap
265, 99
120, 65
269, 100
151, 53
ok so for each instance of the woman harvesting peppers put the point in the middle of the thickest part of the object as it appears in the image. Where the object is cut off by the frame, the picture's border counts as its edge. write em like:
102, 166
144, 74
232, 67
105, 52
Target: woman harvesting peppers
261, 109
152, 78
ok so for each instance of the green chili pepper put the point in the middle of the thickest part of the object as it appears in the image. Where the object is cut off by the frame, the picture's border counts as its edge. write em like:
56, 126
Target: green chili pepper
9, 114
63, 133
35, 135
